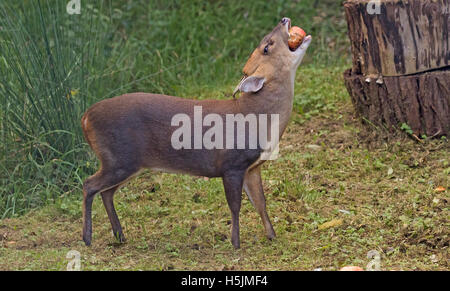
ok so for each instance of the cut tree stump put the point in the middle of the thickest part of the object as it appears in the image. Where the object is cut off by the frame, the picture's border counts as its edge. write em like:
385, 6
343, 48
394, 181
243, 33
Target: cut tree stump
402, 37
422, 101
401, 71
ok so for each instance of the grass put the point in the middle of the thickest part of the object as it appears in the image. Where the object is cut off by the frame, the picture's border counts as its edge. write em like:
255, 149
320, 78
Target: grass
378, 189
48, 75
331, 167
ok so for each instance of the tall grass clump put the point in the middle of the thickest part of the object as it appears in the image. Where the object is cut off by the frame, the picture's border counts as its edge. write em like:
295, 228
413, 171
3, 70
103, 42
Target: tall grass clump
51, 68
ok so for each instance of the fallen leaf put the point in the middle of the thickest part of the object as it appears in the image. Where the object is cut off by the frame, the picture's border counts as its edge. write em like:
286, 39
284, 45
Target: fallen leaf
331, 223
439, 189
313, 147
351, 268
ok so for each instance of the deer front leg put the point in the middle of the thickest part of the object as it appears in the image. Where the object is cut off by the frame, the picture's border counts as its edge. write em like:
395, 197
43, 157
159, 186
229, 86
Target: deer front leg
255, 192
232, 183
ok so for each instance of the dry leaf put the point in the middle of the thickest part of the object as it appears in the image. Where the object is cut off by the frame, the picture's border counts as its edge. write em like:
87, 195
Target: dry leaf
331, 223
439, 189
351, 268
313, 147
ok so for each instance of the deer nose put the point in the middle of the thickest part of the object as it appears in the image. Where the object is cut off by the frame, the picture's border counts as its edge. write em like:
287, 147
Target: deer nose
285, 20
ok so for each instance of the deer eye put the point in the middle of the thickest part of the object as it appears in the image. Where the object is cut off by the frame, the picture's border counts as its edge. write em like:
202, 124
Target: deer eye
266, 48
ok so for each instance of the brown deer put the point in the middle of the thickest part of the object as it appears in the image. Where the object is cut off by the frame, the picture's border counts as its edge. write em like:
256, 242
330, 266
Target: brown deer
132, 132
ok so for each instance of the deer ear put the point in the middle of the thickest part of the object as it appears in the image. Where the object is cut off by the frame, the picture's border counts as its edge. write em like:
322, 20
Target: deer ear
250, 84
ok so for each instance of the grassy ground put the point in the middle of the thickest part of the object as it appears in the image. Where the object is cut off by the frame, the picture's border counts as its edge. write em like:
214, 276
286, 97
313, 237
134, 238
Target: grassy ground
380, 194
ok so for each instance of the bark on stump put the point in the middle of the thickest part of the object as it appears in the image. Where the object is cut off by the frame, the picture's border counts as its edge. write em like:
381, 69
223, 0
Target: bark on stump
401, 54
422, 101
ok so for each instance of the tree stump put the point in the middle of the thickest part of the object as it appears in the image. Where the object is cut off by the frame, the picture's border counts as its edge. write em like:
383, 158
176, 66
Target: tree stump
401, 54
422, 101
399, 37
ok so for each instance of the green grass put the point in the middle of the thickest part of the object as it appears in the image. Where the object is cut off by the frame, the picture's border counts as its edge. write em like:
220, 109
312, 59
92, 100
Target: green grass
48, 76
198, 45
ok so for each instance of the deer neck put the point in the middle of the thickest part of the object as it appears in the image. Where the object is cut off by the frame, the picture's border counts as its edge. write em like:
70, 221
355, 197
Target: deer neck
276, 97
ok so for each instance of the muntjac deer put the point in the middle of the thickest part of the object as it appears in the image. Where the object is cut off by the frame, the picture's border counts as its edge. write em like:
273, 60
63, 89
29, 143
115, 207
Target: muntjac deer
136, 131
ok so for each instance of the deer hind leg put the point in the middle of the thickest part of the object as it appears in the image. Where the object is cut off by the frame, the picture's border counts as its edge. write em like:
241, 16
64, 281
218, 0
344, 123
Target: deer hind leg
108, 202
105, 180
254, 189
